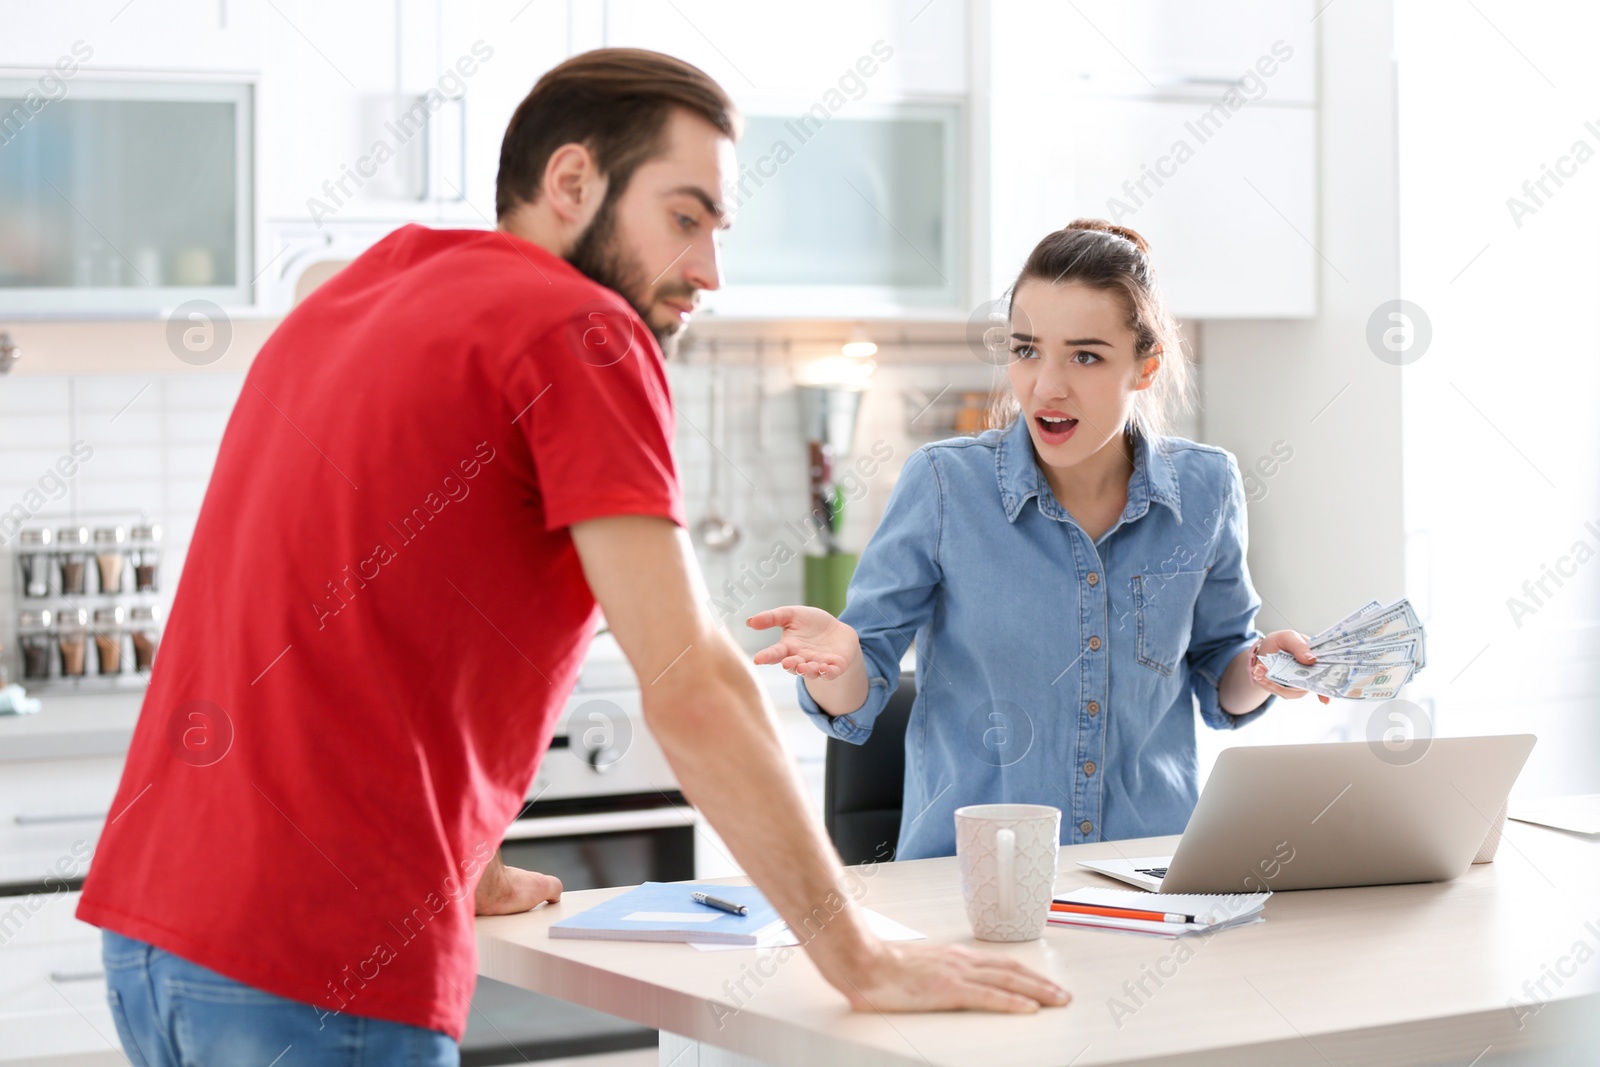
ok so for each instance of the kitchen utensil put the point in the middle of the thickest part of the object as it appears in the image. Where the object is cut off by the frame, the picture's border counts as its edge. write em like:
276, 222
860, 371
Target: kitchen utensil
716, 532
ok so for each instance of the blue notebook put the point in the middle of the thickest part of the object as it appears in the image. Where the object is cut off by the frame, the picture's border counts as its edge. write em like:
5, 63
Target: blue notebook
665, 911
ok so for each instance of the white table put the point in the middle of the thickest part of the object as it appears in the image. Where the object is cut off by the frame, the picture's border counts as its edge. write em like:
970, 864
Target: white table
1410, 974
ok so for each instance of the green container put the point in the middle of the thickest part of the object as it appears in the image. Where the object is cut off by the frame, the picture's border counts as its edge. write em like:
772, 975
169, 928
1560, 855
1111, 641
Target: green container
828, 580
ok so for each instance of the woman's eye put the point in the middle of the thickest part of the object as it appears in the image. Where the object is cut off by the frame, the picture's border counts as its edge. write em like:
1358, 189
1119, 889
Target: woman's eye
1091, 355
686, 223
1024, 351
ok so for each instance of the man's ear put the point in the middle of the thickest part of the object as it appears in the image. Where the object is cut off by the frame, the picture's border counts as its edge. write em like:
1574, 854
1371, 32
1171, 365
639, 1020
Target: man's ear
573, 185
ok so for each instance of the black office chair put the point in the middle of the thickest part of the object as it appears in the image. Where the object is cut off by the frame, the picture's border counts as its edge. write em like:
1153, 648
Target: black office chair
862, 785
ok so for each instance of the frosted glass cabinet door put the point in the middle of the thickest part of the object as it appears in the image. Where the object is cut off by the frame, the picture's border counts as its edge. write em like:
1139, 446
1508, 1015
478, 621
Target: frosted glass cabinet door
856, 214
124, 196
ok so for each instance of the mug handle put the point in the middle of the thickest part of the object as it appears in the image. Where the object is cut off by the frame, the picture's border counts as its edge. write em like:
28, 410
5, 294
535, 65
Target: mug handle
1005, 849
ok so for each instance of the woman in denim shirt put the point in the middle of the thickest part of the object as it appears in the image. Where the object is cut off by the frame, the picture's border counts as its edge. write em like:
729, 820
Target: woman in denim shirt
1075, 580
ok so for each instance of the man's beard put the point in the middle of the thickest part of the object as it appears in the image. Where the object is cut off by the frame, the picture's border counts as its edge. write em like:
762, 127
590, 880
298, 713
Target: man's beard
599, 255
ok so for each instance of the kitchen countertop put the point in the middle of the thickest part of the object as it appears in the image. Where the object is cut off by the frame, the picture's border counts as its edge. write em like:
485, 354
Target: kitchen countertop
1408, 974
70, 725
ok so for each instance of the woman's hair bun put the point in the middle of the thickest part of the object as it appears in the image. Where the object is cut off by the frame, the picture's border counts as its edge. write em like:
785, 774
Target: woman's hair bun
1103, 226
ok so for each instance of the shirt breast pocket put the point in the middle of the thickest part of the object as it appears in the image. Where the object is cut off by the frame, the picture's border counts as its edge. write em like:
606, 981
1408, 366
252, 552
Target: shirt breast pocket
1164, 614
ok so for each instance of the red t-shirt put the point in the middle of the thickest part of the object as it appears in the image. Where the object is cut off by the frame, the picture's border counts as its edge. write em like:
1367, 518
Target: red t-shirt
380, 618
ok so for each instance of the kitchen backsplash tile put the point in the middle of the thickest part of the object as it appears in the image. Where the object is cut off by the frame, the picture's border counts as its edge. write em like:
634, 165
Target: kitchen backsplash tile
155, 441
35, 396
35, 431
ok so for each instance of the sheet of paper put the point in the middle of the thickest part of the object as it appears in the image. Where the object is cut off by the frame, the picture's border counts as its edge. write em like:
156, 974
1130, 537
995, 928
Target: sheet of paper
1580, 814
672, 917
1135, 926
779, 935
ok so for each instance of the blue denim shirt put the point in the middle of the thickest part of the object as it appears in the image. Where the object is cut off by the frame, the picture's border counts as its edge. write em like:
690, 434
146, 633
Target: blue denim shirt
1052, 669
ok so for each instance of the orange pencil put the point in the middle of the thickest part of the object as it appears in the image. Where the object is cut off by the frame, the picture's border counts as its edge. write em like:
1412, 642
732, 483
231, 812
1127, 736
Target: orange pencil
1069, 908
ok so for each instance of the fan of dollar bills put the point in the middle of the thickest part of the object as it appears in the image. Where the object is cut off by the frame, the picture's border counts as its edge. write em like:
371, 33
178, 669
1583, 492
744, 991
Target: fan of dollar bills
1367, 655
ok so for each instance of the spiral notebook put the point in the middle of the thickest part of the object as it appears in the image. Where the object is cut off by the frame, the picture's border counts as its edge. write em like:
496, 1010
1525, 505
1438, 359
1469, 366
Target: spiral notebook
666, 911
1213, 911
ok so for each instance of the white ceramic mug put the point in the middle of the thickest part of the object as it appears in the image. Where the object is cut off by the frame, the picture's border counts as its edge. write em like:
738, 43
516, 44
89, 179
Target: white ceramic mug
1007, 854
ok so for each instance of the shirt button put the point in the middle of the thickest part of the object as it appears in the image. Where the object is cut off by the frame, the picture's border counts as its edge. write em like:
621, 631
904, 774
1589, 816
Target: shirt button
1094, 644
1086, 826
1094, 578
1088, 768
1094, 707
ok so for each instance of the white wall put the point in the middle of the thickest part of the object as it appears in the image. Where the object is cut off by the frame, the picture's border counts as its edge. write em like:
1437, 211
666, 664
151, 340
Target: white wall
1502, 413
1328, 533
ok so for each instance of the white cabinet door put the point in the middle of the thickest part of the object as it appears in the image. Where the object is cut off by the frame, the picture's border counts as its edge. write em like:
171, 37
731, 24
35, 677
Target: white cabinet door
328, 71
507, 45
171, 36
382, 111
52, 985
51, 815
764, 52
1191, 122
1226, 199
1168, 47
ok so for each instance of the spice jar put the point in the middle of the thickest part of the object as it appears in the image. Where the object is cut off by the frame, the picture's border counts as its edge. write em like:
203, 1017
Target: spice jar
72, 638
145, 631
33, 557
72, 552
108, 638
35, 639
109, 545
145, 542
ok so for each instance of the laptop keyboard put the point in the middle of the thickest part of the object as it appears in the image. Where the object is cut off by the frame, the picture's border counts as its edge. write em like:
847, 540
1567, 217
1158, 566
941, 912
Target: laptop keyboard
1153, 872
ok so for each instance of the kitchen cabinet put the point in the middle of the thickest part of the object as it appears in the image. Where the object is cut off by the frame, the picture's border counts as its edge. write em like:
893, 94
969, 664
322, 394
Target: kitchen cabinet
51, 816
851, 194
1171, 47
51, 980
857, 216
375, 115
762, 53
1227, 225
171, 37
129, 194
53, 986
1196, 127
395, 111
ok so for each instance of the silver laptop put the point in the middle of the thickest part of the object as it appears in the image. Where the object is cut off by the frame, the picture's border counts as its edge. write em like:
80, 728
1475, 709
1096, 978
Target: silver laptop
1275, 817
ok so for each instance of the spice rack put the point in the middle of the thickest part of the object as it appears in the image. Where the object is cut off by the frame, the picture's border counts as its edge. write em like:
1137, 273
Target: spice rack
88, 615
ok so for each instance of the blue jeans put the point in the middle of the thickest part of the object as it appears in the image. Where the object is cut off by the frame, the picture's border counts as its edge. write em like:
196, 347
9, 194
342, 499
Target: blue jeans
173, 1013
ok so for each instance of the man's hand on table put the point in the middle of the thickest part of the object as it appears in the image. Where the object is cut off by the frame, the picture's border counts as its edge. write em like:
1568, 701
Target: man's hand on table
507, 890
706, 710
908, 977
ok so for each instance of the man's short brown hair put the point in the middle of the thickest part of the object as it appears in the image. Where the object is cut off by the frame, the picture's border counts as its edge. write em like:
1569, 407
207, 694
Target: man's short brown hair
615, 102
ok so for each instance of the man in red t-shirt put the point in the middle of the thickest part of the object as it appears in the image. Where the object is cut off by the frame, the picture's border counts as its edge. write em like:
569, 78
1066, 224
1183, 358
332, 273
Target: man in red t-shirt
439, 464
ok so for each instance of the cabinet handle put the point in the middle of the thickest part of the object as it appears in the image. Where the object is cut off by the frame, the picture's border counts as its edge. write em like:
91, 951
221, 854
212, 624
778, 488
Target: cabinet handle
427, 157
76, 976
24, 819
461, 138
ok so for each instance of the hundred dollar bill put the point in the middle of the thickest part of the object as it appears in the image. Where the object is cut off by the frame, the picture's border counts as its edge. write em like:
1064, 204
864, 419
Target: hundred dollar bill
1352, 645
1405, 651
1396, 617
1336, 679
1366, 609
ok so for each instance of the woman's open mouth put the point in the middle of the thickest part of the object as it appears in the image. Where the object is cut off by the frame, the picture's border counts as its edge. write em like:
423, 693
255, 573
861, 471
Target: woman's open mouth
1054, 429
